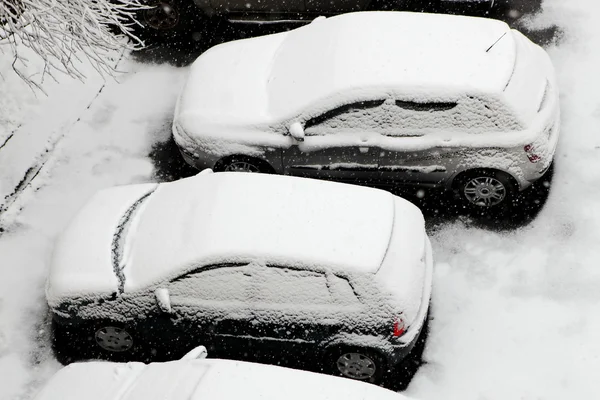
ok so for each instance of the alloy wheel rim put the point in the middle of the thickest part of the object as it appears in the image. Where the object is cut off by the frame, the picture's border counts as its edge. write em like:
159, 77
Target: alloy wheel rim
163, 16
485, 191
114, 339
241, 166
356, 366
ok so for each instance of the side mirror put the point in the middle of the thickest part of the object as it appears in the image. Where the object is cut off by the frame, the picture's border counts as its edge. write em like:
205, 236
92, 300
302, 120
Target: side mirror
163, 299
297, 131
197, 353
205, 171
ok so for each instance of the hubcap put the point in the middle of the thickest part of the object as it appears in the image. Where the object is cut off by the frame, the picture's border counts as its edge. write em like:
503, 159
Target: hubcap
115, 339
241, 166
356, 366
162, 16
485, 191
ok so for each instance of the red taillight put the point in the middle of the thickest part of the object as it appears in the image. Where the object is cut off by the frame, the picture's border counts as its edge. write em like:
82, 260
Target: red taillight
530, 151
399, 327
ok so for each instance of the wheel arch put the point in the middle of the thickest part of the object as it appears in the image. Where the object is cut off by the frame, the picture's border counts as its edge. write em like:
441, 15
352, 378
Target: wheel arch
261, 162
353, 340
456, 178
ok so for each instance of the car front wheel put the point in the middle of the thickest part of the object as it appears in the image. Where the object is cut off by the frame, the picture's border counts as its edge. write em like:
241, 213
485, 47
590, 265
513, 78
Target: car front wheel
113, 339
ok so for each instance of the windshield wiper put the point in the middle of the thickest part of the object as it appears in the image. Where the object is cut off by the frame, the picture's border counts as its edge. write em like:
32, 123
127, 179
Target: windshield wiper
118, 242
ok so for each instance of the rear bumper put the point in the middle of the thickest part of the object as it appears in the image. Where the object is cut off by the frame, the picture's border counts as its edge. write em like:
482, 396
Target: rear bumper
411, 336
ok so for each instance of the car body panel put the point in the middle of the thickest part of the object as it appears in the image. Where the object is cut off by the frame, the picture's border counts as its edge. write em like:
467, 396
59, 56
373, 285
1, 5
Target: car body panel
207, 379
83, 259
212, 225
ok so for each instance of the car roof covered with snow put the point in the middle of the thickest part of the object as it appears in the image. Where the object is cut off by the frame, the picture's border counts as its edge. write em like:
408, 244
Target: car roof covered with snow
229, 218
419, 53
205, 379
346, 57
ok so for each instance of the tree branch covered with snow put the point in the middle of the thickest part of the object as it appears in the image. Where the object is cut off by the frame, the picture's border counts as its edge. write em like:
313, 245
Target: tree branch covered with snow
65, 33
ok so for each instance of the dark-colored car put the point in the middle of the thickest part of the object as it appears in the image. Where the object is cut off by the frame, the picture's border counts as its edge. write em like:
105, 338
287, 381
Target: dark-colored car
167, 15
249, 265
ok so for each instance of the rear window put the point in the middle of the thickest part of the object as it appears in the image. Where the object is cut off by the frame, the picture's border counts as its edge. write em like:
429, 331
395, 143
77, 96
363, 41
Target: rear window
426, 107
341, 290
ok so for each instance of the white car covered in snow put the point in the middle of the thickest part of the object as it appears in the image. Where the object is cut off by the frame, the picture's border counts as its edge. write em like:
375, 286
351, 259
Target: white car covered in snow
247, 264
379, 97
201, 379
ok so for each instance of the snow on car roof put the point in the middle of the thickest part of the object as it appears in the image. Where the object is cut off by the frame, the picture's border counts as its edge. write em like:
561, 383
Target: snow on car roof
206, 379
241, 217
417, 53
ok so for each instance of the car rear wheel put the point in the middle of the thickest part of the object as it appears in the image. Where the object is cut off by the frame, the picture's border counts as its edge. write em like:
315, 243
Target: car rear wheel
243, 164
485, 189
169, 19
357, 363
164, 15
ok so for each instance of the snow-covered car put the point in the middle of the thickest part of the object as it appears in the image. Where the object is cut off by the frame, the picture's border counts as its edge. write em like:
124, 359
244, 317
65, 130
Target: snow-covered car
447, 101
201, 379
245, 264
180, 14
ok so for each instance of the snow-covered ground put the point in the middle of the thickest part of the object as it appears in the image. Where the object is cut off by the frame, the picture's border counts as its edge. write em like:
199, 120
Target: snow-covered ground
515, 314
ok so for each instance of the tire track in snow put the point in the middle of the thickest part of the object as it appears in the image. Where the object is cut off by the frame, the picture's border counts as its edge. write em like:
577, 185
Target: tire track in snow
41, 159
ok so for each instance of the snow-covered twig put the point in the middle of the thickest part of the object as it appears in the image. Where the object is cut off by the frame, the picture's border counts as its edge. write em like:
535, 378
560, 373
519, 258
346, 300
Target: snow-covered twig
66, 32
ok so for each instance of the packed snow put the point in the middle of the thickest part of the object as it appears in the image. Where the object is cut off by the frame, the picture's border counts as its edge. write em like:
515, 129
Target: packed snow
515, 314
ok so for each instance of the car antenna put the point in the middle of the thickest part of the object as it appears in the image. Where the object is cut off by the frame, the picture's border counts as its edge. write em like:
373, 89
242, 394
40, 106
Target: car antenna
493, 44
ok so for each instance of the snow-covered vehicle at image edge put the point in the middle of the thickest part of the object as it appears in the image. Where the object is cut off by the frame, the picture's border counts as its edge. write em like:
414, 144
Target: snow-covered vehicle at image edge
197, 378
246, 264
383, 98
182, 15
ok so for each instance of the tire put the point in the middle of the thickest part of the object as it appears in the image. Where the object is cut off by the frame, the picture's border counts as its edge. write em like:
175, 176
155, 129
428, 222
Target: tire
241, 163
104, 340
65, 344
356, 363
484, 189
169, 19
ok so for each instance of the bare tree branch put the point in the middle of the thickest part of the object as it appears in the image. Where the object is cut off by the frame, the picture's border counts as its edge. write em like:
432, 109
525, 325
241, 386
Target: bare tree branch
64, 33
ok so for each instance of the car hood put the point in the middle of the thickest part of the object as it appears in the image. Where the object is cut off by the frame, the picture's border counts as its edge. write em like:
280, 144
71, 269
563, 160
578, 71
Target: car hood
207, 379
82, 261
228, 84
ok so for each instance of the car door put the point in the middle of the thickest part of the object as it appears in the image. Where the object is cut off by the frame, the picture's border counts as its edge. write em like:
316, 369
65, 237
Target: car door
259, 5
335, 6
210, 307
295, 311
340, 144
401, 160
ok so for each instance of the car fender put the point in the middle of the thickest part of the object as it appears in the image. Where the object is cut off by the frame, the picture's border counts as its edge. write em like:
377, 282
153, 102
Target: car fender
378, 343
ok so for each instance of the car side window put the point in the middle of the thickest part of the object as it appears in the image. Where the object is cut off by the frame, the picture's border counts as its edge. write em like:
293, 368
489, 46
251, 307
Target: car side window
219, 283
341, 290
469, 114
283, 286
425, 107
359, 115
